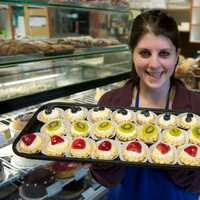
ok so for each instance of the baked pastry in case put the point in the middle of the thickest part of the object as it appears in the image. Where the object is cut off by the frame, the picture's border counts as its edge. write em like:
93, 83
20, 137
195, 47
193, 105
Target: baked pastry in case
166, 120
189, 155
54, 127
57, 146
145, 116
162, 153
194, 134
126, 131
105, 150
81, 148
104, 129
100, 113
149, 133
123, 115
80, 128
49, 114
187, 120
75, 113
30, 143
134, 151
174, 136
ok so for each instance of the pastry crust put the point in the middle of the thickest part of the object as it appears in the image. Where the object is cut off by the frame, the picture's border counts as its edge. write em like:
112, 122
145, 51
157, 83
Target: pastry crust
187, 120
123, 115
80, 128
75, 113
99, 114
166, 121
145, 116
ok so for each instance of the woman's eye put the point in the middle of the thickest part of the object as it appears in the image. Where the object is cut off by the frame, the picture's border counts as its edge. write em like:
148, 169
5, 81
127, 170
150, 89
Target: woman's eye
145, 53
164, 54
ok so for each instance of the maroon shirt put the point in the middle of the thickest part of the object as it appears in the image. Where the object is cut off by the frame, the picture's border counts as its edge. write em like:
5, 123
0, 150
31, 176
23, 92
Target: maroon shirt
184, 100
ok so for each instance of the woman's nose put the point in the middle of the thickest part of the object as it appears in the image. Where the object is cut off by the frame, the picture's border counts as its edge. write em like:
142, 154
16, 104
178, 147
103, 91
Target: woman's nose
154, 61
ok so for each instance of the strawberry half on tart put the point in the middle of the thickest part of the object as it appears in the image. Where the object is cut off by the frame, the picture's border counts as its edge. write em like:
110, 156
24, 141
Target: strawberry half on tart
30, 143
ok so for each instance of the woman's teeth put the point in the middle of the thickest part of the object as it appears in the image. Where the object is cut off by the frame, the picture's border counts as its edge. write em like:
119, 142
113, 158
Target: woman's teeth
154, 74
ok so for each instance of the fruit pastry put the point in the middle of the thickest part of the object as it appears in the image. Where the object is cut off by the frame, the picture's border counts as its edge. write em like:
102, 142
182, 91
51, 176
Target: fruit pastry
174, 136
104, 129
189, 155
75, 113
149, 133
126, 131
194, 134
187, 120
55, 127
145, 116
166, 120
81, 147
123, 115
50, 114
106, 150
100, 113
134, 151
80, 128
57, 146
163, 153
30, 143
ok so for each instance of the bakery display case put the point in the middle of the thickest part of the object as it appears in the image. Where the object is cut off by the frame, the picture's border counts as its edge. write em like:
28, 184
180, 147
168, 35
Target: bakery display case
55, 50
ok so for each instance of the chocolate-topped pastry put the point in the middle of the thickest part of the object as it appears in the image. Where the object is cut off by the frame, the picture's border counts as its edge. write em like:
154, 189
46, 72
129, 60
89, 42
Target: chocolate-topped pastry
145, 116
35, 183
99, 113
123, 115
166, 120
75, 113
187, 120
167, 116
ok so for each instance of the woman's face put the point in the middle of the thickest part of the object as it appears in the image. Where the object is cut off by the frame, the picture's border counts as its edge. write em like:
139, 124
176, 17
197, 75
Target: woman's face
154, 58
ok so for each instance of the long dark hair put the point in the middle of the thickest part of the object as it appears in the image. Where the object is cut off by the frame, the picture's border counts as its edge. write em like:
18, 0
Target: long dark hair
156, 22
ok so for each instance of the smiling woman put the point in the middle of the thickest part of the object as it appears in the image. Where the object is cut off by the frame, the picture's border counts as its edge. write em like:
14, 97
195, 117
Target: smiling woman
154, 42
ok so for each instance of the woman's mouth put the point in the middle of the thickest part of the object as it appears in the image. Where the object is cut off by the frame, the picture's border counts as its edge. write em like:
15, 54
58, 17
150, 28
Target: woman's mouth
154, 74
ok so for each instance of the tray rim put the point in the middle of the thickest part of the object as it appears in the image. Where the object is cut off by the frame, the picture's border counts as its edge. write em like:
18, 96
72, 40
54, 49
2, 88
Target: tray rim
39, 156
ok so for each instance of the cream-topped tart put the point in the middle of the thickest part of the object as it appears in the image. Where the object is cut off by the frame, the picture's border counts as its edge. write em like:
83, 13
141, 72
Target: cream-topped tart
134, 151
123, 115
81, 147
187, 120
149, 133
80, 128
189, 155
194, 134
126, 131
174, 136
162, 153
145, 116
106, 150
30, 143
166, 120
75, 113
49, 114
100, 113
104, 129
54, 127
57, 146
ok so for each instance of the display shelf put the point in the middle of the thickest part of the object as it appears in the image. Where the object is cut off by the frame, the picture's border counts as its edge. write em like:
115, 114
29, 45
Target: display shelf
9, 61
76, 6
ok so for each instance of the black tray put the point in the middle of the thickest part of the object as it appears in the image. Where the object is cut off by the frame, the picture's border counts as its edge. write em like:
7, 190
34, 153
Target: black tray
34, 125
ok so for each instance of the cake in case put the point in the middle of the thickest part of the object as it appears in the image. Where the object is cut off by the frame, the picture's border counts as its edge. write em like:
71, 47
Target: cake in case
163, 153
75, 113
189, 155
134, 151
149, 133
126, 131
81, 147
187, 120
145, 116
50, 114
123, 115
30, 143
166, 120
106, 150
174, 136
80, 128
57, 146
104, 129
